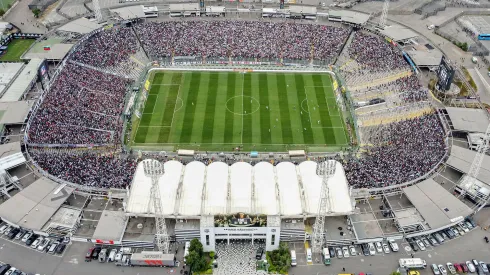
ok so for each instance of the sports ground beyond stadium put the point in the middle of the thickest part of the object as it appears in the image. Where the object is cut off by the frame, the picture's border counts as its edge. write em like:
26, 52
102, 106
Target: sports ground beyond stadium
225, 110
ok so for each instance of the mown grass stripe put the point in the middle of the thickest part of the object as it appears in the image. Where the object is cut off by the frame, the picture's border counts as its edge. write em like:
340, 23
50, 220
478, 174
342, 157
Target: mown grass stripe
247, 108
287, 135
186, 133
305, 123
321, 93
207, 130
168, 112
265, 116
230, 104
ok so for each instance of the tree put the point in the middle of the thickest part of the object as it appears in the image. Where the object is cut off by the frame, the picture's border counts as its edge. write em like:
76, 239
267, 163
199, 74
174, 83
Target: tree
280, 259
196, 245
395, 273
36, 12
2, 12
196, 258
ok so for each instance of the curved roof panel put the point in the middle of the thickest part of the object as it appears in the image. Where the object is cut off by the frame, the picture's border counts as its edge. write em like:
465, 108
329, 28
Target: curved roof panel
312, 185
241, 188
140, 192
265, 189
192, 185
216, 189
289, 192
168, 185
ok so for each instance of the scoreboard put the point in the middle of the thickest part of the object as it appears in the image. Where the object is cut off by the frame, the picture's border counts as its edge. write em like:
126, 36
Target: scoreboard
445, 75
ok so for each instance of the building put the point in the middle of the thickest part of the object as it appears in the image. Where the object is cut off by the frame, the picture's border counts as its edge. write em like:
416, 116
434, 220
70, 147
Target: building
220, 202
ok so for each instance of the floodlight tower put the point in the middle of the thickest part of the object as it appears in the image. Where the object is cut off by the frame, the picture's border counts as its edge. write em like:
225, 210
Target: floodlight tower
384, 14
154, 169
325, 170
476, 164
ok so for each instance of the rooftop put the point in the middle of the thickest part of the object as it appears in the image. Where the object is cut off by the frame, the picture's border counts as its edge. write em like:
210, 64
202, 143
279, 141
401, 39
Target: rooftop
22, 82
398, 33
80, 25
111, 226
461, 159
468, 120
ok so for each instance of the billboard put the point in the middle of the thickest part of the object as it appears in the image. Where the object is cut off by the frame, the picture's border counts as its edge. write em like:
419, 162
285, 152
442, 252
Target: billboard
445, 75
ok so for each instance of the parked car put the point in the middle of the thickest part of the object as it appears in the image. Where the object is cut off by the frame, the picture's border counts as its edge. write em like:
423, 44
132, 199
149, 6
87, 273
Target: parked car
475, 263
449, 233
52, 247
420, 244
10, 271
393, 245
36, 243
3, 228
458, 268
426, 242
386, 248
379, 247
26, 237
484, 267
469, 225
455, 231
442, 269
464, 227
451, 268
435, 269
445, 235
4, 268
464, 267
44, 245
345, 249
331, 251
260, 252
471, 221
438, 237
433, 241
88, 256
11, 235
19, 235
31, 239
60, 248
372, 250
471, 266
95, 254
413, 245
7, 230
365, 249
352, 250
340, 255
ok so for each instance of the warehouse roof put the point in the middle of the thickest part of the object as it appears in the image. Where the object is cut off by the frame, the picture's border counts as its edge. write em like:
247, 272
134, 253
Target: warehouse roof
111, 226
468, 120
436, 204
222, 189
33, 206
398, 33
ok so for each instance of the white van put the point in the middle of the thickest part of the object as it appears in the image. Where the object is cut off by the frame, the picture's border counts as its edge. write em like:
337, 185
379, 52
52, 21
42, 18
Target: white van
430, 27
112, 255
308, 256
412, 263
293, 258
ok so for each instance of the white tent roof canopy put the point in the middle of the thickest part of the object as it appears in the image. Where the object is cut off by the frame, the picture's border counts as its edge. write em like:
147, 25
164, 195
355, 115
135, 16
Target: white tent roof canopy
197, 189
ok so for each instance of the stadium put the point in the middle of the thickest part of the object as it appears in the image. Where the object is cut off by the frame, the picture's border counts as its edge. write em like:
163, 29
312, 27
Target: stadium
241, 114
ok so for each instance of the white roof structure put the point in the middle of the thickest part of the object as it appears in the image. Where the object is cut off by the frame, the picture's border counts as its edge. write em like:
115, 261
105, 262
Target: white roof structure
22, 82
192, 186
241, 187
339, 199
216, 188
80, 25
222, 189
265, 189
289, 195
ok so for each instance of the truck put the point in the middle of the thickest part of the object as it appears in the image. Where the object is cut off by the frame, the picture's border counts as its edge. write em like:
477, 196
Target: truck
152, 258
412, 263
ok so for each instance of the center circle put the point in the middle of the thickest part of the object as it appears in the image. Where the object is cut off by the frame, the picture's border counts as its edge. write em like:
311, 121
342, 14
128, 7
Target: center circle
242, 105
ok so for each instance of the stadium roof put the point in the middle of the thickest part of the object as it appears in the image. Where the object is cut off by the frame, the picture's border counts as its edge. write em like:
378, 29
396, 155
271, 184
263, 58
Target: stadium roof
33, 206
461, 159
80, 25
425, 58
111, 226
398, 33
468, 120
436, 204
131, 12
14, 112
302, 9
184, 7
22, 82
252, 189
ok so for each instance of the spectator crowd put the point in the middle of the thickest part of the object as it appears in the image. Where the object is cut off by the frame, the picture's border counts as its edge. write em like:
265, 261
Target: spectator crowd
84, 104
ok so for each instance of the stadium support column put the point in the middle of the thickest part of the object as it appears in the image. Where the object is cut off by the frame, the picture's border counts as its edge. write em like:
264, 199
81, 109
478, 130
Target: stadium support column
325, 170
384, 14
98, 12
155, 170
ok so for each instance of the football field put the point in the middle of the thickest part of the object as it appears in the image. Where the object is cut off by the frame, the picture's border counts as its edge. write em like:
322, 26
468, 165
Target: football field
222, 111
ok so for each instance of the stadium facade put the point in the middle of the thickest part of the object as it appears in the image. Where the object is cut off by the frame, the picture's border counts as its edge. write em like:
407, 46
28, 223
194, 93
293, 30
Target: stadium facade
240, 201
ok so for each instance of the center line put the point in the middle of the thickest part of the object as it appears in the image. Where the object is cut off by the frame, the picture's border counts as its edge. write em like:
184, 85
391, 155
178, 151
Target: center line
243, 84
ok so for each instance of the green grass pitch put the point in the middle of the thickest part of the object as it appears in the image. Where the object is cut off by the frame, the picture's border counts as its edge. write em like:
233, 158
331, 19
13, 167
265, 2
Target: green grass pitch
219, 111
16, 48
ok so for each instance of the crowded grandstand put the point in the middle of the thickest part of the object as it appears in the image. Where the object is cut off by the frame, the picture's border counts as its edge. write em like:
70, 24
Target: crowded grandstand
84, 105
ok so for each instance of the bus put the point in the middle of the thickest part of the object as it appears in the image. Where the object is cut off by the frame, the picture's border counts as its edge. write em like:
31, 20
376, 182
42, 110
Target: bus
326, 256
484, 36
412, 263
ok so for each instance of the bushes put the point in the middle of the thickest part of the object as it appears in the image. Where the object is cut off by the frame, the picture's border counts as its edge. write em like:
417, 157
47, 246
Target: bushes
196, 259
2, 12
279, 260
